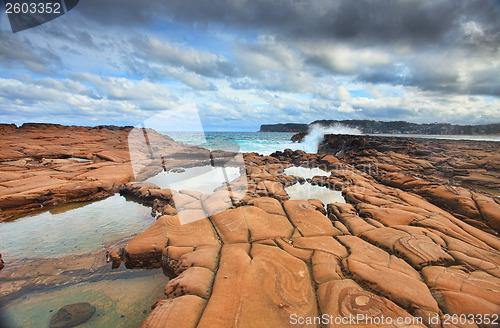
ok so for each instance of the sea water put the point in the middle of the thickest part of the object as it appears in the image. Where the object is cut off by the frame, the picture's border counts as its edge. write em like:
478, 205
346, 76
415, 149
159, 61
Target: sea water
204, 179
69, 233
263, 143
75, 228
266, 143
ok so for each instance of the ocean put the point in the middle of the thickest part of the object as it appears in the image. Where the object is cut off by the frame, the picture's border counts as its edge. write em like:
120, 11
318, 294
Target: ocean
263, 143
266, 143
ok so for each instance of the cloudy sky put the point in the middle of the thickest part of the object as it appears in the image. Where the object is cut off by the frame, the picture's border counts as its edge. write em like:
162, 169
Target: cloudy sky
248, 62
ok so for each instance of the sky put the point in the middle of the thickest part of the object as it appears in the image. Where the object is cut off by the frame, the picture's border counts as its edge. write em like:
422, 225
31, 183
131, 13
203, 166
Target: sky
244, 63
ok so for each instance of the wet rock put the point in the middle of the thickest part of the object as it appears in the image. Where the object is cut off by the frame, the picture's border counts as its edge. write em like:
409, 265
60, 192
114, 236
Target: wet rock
298, 137
145, 250
72, 315
115, 257
193, 281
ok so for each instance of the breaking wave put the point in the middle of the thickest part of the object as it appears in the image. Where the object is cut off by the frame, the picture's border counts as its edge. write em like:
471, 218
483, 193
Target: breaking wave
316, 132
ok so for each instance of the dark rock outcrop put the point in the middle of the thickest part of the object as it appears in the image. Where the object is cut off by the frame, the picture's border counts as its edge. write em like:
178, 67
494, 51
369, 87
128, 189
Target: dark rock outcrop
72, 315
392, 127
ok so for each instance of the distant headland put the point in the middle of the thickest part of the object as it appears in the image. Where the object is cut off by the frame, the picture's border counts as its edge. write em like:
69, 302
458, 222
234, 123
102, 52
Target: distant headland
395, 127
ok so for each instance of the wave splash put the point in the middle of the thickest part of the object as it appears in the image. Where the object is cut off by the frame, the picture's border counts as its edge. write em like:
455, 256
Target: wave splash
316, 133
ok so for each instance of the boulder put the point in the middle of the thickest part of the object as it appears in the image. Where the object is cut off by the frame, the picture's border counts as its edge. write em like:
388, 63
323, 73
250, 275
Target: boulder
72, 315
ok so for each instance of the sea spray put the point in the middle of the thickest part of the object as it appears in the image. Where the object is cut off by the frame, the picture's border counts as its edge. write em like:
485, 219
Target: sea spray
316, 133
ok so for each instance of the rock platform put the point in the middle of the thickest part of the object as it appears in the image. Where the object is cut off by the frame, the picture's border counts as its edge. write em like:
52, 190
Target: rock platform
45, 165
269, 261
408, 244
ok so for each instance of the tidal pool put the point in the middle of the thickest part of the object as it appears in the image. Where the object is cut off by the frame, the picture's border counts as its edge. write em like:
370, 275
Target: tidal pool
308, 191
73, 230
202, 178
123, 302
304, 172
57, 258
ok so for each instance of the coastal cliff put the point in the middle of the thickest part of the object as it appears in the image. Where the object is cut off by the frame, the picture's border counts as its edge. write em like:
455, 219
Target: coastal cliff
287, 127
394, 127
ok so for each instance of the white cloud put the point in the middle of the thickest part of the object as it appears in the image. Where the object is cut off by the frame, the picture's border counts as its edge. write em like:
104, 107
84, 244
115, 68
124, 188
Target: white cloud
117, 74
344, 59
472, 29
163, 52
120, 101
342, 94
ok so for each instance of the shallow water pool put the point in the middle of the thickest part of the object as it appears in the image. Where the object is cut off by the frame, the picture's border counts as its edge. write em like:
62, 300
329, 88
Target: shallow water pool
73, 231
308, 191
121, 302
202, 178
58, 257
305, 172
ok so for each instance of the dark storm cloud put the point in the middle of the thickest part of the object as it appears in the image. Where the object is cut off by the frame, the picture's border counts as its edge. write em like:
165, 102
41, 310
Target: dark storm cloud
18, 51
443, 73
365, 21
462, 32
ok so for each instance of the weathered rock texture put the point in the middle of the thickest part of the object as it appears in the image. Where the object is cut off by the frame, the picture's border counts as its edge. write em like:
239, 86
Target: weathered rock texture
387, 251
459, 176
406, 244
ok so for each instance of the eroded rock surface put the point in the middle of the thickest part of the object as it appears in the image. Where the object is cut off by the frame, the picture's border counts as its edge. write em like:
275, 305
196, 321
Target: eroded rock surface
268, 260
459, 176
407, 243
44, 165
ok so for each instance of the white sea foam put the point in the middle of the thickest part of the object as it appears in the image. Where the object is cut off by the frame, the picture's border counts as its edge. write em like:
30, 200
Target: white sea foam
316, 133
